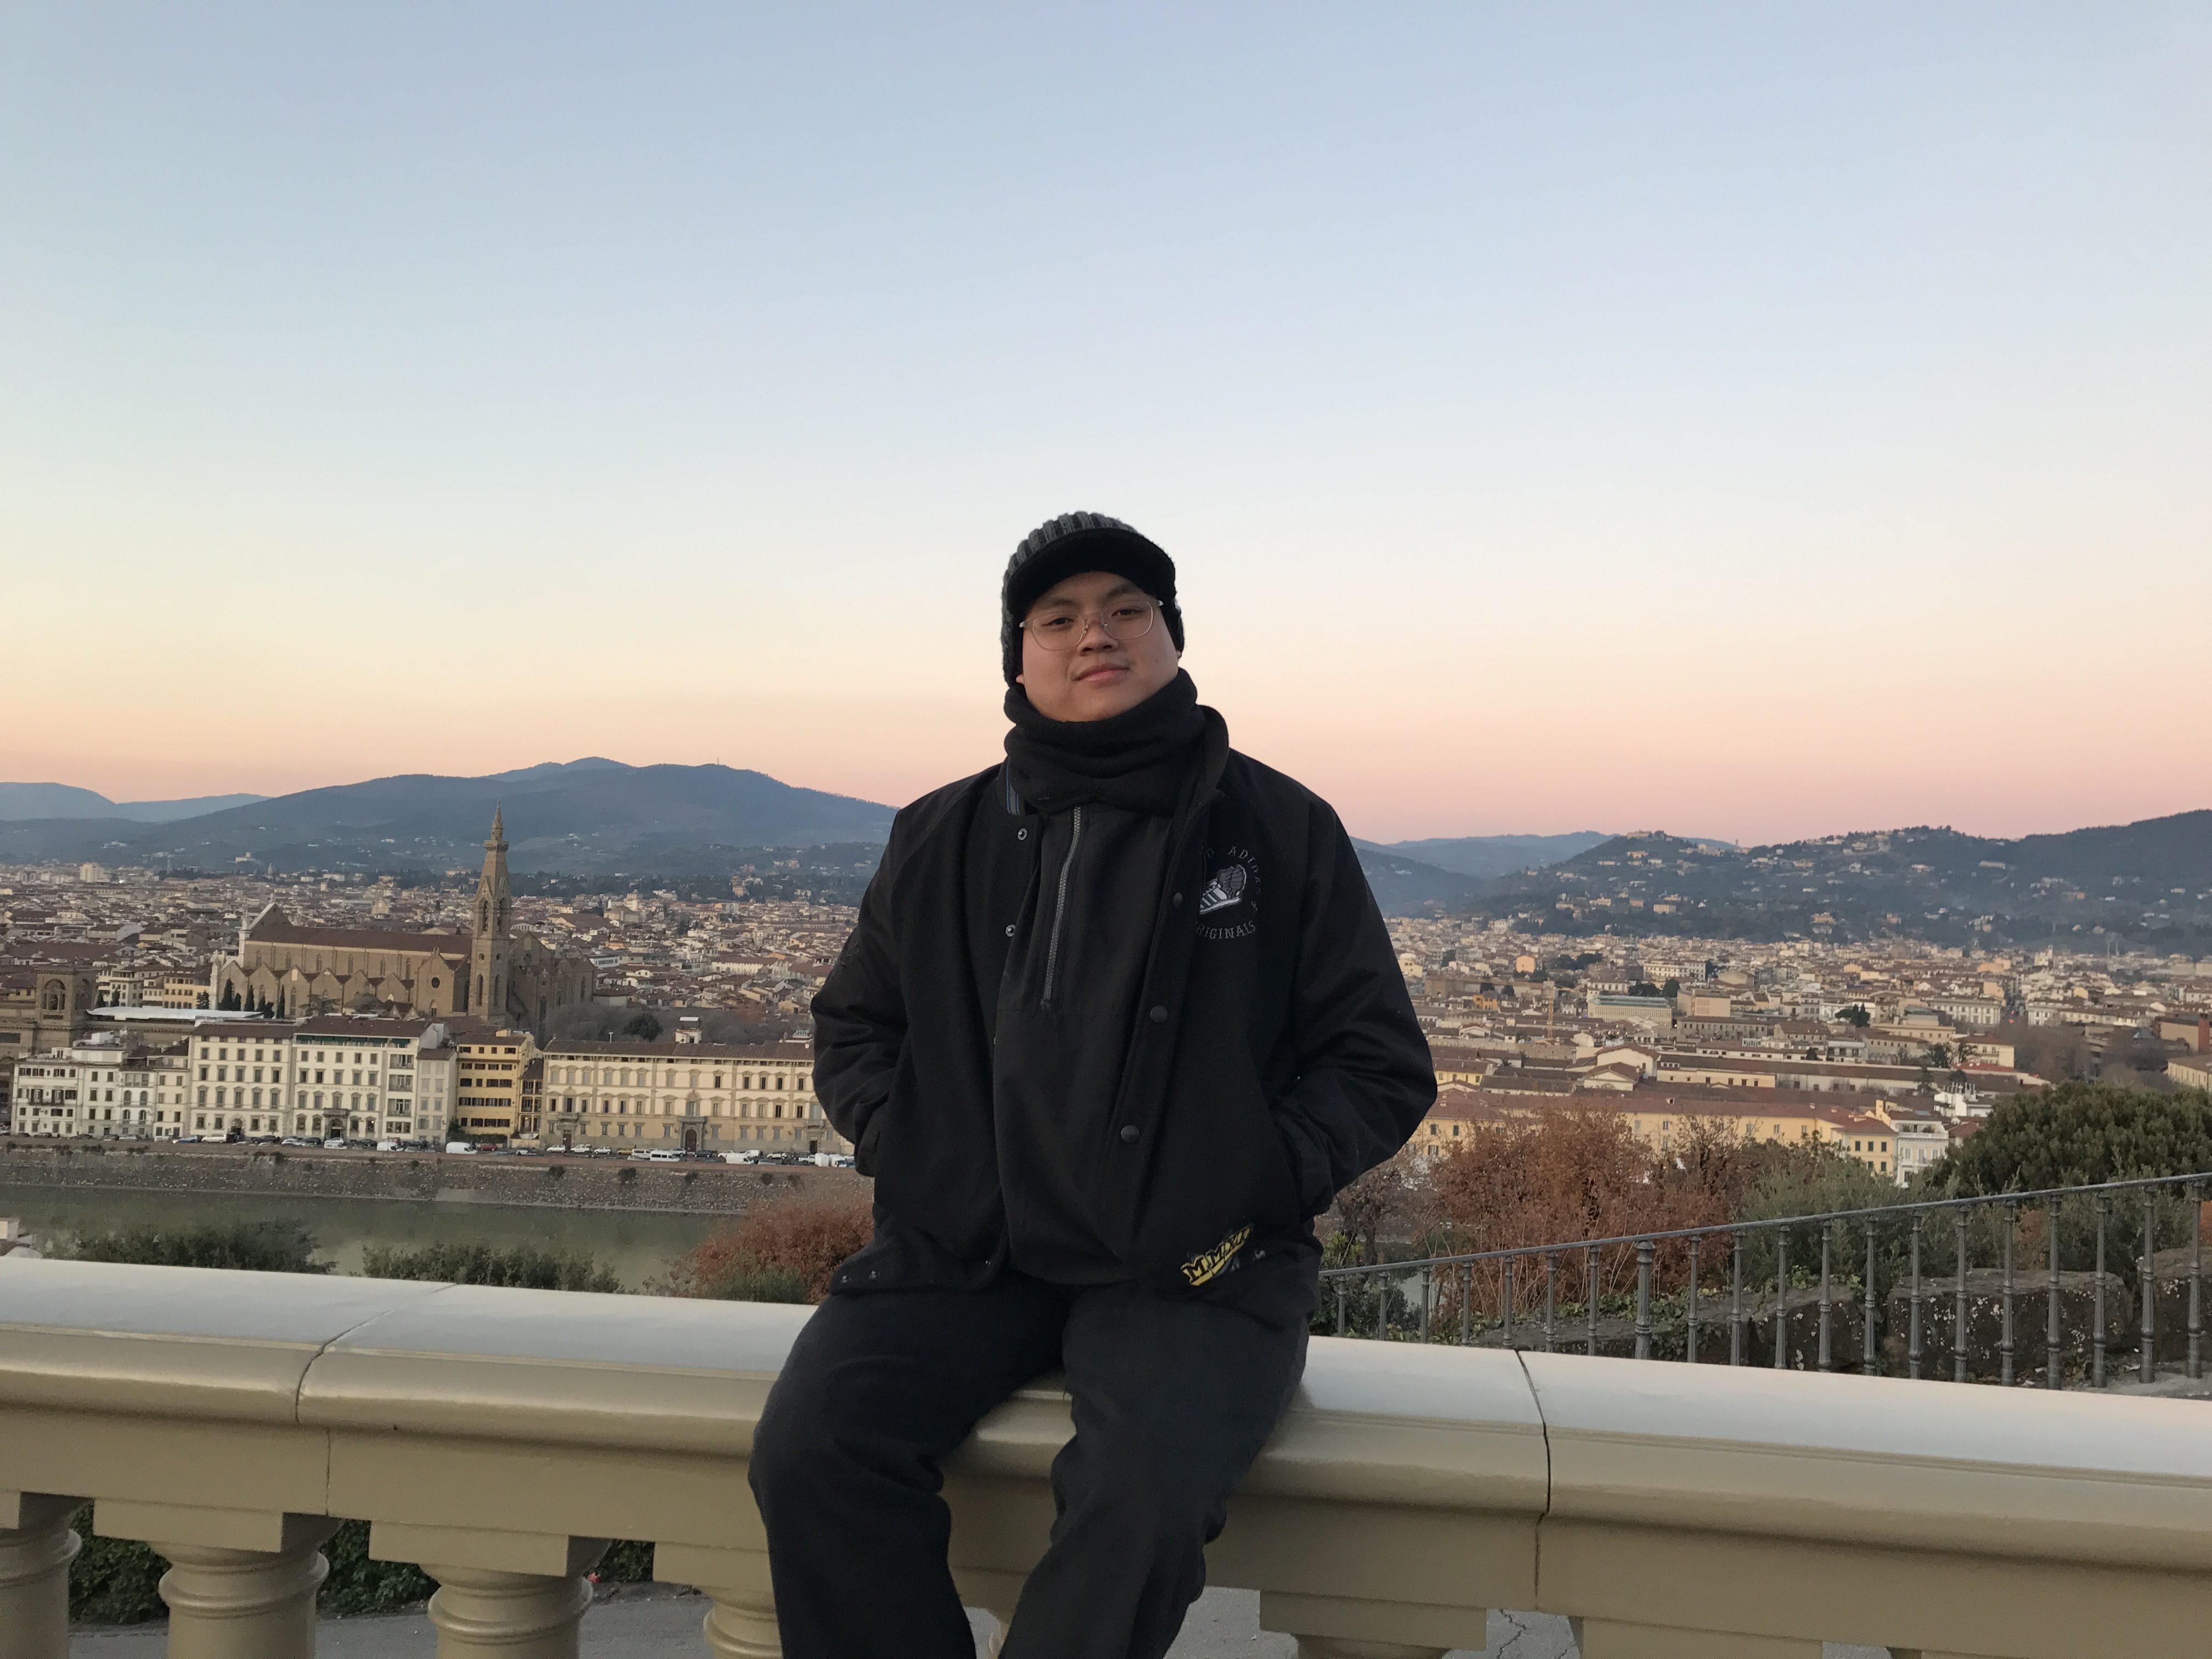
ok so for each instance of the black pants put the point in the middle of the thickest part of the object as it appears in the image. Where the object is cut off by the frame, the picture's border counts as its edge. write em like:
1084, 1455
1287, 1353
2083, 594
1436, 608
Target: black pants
1172, 1402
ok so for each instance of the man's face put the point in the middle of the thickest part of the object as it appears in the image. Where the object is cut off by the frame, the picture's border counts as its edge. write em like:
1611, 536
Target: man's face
1102, 675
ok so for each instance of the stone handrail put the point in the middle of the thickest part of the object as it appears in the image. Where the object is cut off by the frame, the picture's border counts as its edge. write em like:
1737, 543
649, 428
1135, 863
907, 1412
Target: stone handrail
499, 1438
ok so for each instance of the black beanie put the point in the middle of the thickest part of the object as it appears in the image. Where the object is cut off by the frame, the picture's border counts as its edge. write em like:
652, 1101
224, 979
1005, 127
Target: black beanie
1067, 546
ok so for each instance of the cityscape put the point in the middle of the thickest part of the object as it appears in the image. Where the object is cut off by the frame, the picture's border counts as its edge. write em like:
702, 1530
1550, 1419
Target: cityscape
1105, 831
517, 1021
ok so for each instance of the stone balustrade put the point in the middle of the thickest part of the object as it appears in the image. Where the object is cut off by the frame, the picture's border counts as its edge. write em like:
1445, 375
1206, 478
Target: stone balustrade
499, 1437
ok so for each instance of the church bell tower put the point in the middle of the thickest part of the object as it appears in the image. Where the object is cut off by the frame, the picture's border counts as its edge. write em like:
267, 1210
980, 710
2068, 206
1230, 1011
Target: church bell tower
492, 945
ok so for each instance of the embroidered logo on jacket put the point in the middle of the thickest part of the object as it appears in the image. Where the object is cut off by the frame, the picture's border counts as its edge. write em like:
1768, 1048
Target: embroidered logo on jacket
1227, 887
1229, 904
1208, 1264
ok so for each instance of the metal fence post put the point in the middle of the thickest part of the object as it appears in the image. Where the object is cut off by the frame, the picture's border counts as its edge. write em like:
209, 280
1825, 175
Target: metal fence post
1782, 1298
1690, 1332
1589, 1300
2196, 1281
1868, 1362
1736, 1302
1551, 1301
1340, 1284
2097, 1334
1827, 1300
1428, 1275
2005, 1347
2147, 1361
1913, 1352
1958, 1304
1643, 1247
2053, 1361
1466, 1304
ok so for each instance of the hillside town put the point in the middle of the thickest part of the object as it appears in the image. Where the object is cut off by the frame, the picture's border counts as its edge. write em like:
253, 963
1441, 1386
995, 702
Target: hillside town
138, 1004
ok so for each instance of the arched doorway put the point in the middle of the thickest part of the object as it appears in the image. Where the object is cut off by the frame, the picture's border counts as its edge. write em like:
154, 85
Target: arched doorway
690, 1140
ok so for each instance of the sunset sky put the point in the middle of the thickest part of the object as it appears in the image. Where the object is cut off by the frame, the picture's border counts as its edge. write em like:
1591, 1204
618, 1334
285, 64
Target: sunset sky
1752, 420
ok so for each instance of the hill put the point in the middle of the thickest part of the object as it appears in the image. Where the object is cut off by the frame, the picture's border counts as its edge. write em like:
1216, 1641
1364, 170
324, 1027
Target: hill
2147, 884
585, 815
1488, 855
66, 800
1405, 886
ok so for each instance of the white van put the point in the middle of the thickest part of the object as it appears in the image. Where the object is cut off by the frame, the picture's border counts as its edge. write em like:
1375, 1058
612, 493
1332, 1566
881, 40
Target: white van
741, 1158
387, 1146
665, 1157
460, 1146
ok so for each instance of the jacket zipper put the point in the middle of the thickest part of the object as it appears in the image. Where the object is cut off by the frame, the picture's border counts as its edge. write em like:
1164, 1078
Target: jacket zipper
1060, 906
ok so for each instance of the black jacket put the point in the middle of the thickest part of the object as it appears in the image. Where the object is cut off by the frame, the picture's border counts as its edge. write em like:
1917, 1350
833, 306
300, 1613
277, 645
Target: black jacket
1274, 1057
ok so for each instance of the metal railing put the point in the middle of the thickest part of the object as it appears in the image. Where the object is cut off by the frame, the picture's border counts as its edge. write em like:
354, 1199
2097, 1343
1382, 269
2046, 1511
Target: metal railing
1652, 1295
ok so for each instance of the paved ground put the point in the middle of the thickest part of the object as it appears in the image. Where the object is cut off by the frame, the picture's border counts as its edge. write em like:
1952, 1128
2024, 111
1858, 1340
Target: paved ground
656, 1623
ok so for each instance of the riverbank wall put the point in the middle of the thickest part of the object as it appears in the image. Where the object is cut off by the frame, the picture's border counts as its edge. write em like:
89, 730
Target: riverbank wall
294, 1172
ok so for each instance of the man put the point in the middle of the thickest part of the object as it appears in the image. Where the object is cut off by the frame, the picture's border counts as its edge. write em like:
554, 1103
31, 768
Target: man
1118, 1018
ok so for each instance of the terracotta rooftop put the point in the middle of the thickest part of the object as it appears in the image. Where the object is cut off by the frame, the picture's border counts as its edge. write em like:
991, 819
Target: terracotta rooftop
280, 930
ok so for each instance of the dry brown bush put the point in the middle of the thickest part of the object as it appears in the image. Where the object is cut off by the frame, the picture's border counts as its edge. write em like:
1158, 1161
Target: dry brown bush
801, 1241
1576, 1173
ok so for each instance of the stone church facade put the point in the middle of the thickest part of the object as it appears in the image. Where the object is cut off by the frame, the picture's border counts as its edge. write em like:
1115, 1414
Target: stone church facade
491, 973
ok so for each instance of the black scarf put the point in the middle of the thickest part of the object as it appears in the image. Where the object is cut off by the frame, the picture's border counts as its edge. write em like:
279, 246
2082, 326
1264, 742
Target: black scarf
1139, 759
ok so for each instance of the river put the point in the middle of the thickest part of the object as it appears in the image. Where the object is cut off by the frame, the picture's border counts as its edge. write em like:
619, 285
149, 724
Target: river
636, 1246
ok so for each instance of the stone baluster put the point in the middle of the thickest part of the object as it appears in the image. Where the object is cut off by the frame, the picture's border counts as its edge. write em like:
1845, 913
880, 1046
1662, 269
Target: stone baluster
240, 1585
37, 1545
1340, 1627
741, 1625
1611, 1639
501, 1595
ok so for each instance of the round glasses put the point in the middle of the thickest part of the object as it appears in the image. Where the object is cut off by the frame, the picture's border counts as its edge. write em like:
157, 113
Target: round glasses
1130, 617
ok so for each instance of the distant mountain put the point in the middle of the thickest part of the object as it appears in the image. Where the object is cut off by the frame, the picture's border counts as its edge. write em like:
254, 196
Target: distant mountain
1404, 886
66, 800
1491, 855
2147, 882
585, 815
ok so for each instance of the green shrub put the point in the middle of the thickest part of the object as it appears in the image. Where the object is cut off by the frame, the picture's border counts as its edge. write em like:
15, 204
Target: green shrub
357, 1584
280, 1247
752, 1281
628, 1561
113, 1580
2076, 1135
522, 1265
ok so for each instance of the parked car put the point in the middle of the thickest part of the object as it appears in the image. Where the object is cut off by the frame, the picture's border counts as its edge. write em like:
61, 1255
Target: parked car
181, 1139
664, 1157
387, 1146
746, 1157
460, 1146
335, 1144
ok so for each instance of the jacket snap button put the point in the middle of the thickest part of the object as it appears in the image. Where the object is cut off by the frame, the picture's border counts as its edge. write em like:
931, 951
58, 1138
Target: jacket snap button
1159, 1014
1176, 901
1129, 1133
1010, 930
1021, 834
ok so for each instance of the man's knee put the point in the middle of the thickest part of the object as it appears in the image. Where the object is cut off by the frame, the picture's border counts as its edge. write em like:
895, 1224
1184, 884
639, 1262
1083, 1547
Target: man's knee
795, 1443
1154, 1510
